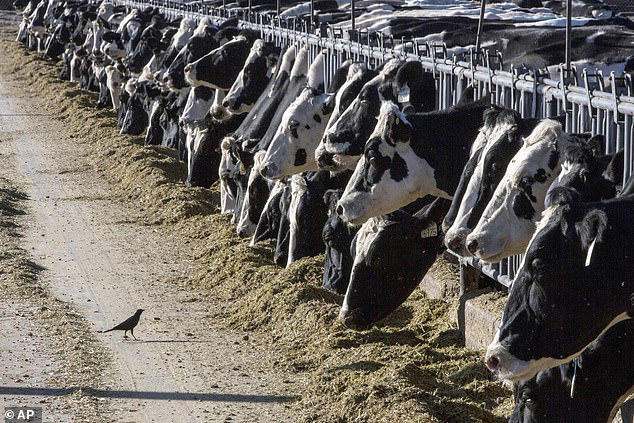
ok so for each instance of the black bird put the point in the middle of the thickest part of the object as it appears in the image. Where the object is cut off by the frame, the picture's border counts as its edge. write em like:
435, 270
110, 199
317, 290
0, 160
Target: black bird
127, 325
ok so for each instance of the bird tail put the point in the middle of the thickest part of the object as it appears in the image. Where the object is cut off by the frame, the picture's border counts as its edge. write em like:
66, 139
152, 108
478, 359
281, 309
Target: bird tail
104, 331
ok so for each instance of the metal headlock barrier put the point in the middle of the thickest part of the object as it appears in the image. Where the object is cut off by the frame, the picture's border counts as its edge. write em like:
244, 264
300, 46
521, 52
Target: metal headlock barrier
589, 106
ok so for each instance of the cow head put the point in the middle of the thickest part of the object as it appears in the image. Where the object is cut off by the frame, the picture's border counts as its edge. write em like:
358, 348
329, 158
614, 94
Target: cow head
255, 199
583, 174
343, 142
388, 175
391, 254
358, 75
219, 68
251, 81
199, 102
509, 219
292, 149
503, 132
570, 288
201, 42
112, 46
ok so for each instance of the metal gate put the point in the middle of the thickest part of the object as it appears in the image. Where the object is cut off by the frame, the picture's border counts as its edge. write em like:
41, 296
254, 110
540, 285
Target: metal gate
581, 95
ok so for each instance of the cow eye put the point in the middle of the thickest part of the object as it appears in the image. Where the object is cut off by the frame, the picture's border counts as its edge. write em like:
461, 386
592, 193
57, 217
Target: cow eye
292, 124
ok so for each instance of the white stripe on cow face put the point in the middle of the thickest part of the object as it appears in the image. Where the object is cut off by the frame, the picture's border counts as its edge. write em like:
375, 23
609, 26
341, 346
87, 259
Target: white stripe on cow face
292, 149
114, 82
298, 189
487, 137
508, 222
227, 200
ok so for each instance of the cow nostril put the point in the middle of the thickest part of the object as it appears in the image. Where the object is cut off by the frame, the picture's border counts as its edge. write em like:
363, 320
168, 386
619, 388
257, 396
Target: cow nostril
492, 363
339, 210
472, 246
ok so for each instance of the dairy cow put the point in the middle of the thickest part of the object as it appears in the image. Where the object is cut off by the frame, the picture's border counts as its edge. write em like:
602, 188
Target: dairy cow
358, 75
409, 156
391, 255
206, 37
571, 287
307, 212
259, 68
588, 389
220, 67
405, 84
503, 132
509, 219
337, 237
292, 148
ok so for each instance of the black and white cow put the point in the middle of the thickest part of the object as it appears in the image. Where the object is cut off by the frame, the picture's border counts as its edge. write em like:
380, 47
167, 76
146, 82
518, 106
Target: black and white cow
257, 193
259, 68
409, 156
251, 138
292, 148
502, 134
509, 219
588, 389
358, 75
575, 282
220, 67
586, 175
392, 253
205, 38
203, 150
406, 84
308, 213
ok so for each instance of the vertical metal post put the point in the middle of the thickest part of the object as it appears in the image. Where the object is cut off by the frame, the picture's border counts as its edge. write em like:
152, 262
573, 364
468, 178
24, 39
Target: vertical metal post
352, 21
568, 32
312, 15
278, 8
249, 18
483, 4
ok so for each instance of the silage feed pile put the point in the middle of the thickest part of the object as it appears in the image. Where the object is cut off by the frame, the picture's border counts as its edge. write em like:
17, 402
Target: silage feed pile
410, 368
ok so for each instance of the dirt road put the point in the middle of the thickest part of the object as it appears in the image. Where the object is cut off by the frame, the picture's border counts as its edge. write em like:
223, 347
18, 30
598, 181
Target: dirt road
99, 258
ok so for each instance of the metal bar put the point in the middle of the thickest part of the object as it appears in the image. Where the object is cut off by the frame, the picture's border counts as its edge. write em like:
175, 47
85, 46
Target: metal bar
568, 32
483, 4
352, 18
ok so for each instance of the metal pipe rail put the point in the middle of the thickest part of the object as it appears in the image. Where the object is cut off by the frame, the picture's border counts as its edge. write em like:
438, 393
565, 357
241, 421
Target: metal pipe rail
588, 107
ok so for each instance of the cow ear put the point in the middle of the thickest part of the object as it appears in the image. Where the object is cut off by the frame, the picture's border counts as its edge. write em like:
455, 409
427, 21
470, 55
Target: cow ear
591, 230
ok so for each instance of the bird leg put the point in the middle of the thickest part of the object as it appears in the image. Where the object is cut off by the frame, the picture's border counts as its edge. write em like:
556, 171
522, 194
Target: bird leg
125, 334
132, 333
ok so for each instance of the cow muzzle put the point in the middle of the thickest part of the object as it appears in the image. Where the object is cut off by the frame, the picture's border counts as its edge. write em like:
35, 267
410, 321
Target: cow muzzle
507, 367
